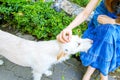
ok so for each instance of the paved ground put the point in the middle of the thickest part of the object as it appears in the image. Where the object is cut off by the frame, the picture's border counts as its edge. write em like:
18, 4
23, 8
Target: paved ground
68, 70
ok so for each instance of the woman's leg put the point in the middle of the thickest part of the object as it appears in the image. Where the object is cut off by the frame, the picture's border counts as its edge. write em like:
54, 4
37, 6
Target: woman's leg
102, 77
88, 73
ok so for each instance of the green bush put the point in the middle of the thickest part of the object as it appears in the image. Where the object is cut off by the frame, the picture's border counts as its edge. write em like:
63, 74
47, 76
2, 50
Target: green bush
36, 18
82, 3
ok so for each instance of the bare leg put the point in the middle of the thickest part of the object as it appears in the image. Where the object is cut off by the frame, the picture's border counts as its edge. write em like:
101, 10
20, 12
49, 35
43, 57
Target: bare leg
88, 73
102, 77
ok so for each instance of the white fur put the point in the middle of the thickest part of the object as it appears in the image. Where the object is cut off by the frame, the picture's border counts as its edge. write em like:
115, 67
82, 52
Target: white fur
39, 55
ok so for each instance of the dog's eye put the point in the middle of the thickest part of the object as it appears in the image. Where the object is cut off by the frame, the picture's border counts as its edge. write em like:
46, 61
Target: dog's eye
78, 44
66, 49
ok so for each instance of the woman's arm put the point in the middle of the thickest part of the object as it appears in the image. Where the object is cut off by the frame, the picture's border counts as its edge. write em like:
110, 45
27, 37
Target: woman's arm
66, 34
84, 14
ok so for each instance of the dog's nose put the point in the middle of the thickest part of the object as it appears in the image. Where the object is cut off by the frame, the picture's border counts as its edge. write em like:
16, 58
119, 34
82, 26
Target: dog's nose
78, 44
91, 41
66, 49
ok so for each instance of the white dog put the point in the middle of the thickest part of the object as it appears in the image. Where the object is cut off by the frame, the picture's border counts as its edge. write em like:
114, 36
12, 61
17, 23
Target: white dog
39, 55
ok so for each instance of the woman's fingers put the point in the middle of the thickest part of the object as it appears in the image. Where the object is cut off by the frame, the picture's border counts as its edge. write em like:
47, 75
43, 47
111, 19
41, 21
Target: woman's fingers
59, 38
64, 36
103, 19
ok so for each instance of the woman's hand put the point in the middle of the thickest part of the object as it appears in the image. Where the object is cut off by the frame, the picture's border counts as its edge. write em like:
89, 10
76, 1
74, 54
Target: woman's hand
103, 19
65, 35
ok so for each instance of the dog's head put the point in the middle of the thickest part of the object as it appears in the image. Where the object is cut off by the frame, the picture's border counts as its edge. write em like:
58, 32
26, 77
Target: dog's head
76, 44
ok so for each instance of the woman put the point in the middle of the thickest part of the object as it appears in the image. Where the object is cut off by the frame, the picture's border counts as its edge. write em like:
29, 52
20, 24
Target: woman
104, 30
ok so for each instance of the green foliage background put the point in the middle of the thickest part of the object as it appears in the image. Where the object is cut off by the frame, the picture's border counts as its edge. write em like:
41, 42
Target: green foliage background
36, 18
82, 3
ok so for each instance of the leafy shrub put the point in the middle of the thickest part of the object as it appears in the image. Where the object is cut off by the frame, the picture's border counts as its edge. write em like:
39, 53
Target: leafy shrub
82, 3
36, 18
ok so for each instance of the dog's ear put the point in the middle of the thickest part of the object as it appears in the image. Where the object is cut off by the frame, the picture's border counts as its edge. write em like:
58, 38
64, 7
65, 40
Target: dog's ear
60, 55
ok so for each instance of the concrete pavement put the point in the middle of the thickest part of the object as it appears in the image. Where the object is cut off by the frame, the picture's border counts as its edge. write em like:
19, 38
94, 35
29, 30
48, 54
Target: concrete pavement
68, 70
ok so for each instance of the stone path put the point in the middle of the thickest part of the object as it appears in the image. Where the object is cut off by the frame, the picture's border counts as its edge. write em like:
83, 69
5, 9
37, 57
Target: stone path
69, 7
68, 70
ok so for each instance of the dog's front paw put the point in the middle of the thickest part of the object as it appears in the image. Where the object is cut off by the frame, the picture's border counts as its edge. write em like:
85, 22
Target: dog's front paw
48, 73
1, 62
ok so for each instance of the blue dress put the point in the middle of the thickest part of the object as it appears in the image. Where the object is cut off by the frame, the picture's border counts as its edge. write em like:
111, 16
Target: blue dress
104, 55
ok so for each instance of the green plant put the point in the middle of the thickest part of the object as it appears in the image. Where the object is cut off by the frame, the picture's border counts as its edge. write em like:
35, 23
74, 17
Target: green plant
36, 18
63, 77
82, 3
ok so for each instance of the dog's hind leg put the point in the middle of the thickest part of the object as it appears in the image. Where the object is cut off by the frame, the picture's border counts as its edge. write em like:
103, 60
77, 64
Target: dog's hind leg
1, 62
37, 75
48, 73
